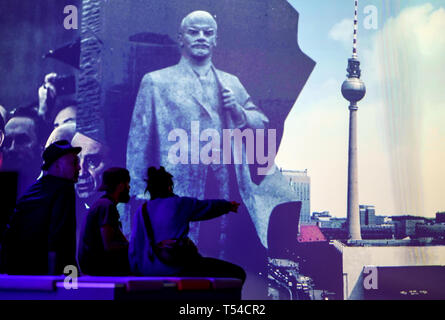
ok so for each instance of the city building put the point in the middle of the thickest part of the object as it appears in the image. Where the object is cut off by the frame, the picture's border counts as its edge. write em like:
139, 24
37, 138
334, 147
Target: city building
405, 226
321, 216
301, 184
440, 217
435, 231
379, 220
361, 261
375, 232
367, 215
371, 226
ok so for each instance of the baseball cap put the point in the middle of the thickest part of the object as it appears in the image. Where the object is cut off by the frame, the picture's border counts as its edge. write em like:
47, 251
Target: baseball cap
57, 150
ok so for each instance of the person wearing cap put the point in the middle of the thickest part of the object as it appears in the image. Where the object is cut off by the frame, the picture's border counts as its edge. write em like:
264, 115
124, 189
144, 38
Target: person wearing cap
41, 235
103, 247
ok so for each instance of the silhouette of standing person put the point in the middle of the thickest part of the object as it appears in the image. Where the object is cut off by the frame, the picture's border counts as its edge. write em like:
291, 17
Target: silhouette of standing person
41, 238
103, 247
163, 222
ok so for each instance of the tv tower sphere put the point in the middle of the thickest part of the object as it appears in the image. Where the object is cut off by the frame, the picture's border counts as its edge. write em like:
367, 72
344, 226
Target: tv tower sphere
353, 89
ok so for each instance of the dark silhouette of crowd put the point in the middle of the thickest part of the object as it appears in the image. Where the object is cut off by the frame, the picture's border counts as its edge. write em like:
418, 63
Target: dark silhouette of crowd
40, 237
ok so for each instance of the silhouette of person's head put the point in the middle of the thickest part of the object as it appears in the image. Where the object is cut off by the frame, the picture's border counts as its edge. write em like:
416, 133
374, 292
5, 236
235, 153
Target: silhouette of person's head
159, 183
116, 181
60, 159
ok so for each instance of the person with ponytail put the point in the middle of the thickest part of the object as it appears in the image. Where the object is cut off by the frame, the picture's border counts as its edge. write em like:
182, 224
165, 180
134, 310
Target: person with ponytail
159, 243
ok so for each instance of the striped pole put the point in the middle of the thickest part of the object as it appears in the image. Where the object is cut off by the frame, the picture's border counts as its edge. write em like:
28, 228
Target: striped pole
354, 43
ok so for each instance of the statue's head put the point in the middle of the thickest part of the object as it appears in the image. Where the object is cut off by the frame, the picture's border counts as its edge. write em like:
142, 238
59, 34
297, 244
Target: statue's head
197, 35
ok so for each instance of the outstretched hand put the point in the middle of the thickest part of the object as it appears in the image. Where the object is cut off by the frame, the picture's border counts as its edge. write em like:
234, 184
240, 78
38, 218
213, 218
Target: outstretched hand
234, 206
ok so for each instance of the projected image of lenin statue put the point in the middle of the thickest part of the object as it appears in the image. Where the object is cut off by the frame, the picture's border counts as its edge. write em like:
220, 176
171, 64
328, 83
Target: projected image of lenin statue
178, 122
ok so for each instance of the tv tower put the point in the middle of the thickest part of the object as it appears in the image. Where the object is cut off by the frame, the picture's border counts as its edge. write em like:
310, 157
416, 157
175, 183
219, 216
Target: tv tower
353, 90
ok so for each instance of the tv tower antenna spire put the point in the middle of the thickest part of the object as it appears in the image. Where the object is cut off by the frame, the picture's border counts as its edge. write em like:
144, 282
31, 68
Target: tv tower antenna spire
354, 41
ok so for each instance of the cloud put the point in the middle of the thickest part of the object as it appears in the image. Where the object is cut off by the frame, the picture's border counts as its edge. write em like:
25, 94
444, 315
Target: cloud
343, 32
409, 54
